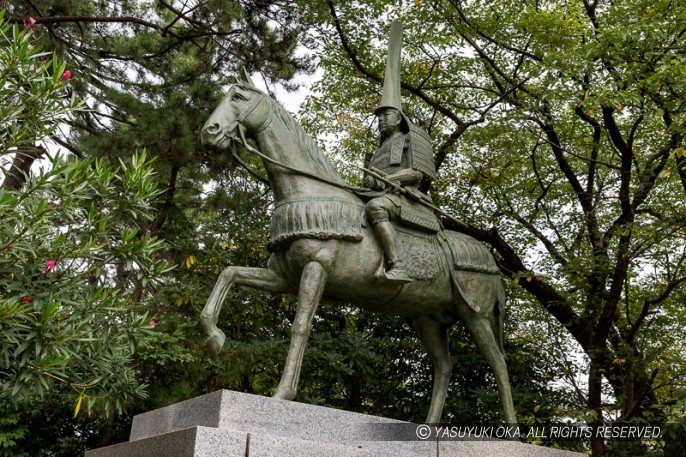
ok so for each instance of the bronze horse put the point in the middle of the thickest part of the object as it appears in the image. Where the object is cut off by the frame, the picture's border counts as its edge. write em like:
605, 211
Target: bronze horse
322, 249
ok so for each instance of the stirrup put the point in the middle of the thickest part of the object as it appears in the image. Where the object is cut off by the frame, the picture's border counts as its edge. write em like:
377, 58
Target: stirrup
397, 274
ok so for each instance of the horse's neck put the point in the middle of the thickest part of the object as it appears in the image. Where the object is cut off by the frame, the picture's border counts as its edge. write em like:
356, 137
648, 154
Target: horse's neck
283, 146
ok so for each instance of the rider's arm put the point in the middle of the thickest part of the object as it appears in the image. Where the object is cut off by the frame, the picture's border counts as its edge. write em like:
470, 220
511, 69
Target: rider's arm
405, 177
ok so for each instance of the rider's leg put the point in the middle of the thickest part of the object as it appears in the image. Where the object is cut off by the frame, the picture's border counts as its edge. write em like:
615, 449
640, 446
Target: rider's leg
378, 211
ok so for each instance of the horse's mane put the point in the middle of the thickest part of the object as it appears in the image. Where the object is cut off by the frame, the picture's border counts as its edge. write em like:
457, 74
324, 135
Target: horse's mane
313, 150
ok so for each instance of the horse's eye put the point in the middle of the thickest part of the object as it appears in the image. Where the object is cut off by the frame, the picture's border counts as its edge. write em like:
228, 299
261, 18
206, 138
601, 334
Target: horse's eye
238, 96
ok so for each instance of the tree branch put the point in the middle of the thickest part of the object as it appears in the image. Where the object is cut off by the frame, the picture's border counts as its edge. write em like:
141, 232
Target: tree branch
164, 31
68, 146
555, 254
156, 227
510, 264
584, 197
595, 125
626, 154
363, 69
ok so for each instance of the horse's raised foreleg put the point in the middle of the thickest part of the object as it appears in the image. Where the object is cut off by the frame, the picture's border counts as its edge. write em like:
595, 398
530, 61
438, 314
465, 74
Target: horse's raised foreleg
482, 331
312, 284
434, 338
257, 278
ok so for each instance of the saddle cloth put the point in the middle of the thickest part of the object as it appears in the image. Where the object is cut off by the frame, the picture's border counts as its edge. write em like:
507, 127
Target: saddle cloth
470, 262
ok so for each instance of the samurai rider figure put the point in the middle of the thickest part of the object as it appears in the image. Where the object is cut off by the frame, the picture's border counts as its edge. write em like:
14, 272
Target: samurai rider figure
405, 158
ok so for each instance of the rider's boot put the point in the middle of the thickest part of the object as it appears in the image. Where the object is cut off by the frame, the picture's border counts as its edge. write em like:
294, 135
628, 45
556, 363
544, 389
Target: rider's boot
386, 234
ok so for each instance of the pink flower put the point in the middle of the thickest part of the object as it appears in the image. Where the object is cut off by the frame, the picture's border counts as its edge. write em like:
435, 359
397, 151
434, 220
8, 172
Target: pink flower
50, 265
27, 299
9, 247
66, 74
152, 323
32, 21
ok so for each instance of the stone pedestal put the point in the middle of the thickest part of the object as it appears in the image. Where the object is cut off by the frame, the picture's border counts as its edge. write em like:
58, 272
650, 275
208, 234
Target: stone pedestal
232, 424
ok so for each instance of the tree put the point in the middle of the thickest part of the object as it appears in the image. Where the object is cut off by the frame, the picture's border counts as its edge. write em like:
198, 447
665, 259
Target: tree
75, 267
568, 119
149, 73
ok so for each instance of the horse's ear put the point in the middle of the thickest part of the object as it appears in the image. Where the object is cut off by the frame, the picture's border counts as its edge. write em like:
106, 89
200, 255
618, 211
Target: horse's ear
245, 77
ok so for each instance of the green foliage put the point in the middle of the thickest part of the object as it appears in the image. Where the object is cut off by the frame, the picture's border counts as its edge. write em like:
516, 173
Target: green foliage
49, 428
32, 90
75, 268
149, 83
12, 430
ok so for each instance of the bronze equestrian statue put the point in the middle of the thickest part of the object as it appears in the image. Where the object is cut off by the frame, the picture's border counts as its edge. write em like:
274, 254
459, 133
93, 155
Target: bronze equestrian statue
323, 248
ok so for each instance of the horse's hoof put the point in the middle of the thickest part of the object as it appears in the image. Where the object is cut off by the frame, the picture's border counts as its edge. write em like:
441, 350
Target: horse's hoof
215, 342
284, 394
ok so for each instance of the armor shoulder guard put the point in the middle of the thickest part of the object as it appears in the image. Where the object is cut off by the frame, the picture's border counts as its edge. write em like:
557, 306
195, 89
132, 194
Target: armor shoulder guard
421, 150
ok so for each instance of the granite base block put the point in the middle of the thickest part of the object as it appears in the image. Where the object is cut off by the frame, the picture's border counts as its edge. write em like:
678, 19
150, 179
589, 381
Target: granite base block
228, 424
498, 449
190, 442
265, 416
213, 442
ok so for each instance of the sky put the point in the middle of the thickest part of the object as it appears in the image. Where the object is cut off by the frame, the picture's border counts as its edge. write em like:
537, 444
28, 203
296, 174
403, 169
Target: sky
290, 100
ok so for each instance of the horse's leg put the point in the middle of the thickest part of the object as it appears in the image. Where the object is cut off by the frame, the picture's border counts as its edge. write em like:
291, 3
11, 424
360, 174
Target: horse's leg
312, 284
257, 278
482, 332
434, 338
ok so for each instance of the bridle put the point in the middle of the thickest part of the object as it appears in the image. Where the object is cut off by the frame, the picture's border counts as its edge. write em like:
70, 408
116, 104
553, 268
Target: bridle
254, 103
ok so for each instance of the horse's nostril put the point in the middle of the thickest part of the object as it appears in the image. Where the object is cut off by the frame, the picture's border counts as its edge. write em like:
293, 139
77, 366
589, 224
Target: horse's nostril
213, 129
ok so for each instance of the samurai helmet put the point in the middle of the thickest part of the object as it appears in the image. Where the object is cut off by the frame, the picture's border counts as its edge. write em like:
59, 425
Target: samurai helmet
390, 96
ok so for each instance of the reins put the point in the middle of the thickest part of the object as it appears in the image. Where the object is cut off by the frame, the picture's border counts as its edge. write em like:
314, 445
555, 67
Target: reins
266, 158
374, 173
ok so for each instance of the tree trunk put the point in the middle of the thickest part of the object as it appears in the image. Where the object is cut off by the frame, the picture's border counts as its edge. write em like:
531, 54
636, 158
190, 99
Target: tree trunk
107, 437
21, 166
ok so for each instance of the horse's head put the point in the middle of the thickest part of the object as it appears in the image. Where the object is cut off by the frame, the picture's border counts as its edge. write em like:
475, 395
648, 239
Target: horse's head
244, 111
